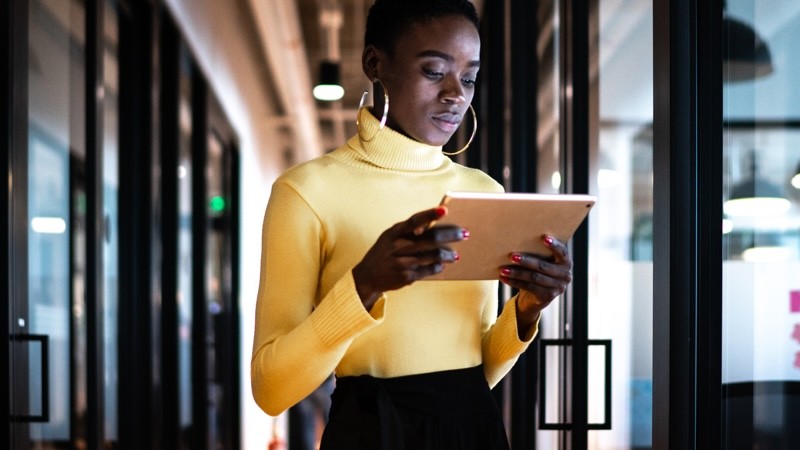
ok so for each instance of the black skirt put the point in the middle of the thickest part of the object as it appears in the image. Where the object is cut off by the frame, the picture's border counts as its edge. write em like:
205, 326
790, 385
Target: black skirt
446, 410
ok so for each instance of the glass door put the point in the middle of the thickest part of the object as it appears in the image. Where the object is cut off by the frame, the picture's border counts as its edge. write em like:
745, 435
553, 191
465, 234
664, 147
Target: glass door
184, 248
110, 223
620, 311
615, 110
50, 321
63, 303
220, 298
761, 225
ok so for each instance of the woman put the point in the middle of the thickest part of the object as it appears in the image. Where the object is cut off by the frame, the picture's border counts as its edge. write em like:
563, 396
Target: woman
348, 243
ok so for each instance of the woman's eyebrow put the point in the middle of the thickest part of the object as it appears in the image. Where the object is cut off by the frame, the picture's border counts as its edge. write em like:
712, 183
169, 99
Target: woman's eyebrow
444, 56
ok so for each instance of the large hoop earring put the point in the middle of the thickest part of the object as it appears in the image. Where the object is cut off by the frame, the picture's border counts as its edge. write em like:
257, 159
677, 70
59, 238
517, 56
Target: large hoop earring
383, 118
474, 129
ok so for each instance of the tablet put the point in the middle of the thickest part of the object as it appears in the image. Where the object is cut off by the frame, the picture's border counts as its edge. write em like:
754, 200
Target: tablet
502, 223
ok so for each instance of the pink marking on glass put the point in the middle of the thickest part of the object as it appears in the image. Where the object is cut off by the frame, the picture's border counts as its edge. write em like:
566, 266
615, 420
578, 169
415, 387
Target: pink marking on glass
794, 301
796, 333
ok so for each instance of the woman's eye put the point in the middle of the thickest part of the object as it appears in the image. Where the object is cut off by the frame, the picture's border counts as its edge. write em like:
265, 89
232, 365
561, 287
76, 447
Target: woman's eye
468, 81
432, 73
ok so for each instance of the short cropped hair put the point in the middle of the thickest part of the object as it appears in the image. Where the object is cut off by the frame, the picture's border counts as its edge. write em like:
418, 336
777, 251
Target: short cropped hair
388, 19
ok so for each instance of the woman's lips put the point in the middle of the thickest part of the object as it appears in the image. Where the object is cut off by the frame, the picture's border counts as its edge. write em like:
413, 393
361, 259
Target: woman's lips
447, 122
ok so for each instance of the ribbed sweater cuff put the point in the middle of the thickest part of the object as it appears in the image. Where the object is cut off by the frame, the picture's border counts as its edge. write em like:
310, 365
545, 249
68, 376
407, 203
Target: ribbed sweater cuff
341, 316
508, 340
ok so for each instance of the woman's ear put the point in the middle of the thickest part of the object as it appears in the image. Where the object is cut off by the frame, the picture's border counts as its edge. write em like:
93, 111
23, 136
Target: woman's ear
371, 61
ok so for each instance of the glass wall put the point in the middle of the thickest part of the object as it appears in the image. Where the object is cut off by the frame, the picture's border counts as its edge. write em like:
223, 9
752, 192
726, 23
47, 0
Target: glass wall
620, 252
185, 254
59, 208
85, 247
56, 216
549, 180
761, 225
215, 277
620, 102
111, 218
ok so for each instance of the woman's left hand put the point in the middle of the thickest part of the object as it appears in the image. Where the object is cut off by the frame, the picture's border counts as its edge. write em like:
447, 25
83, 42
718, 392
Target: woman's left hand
540, 279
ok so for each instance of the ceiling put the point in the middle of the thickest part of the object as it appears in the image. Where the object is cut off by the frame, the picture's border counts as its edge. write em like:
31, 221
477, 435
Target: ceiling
296, 39
324, 40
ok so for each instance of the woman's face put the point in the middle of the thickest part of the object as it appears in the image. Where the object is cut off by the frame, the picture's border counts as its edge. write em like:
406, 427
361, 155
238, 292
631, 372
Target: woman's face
431, 77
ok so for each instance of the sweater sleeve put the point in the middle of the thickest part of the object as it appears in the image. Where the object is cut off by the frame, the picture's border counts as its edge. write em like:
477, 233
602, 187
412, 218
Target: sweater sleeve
501, 345
297, 345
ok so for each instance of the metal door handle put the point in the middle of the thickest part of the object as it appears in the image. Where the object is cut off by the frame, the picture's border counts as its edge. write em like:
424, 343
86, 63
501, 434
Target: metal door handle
44, 341
543, 424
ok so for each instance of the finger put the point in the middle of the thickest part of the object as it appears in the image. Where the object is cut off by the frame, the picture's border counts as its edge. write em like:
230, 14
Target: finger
535, 278
542, 295
442, 234
434, 239
539, 296
554, 268
412, 272
559, 249
426, 257
540, 287
430, 269
419, 222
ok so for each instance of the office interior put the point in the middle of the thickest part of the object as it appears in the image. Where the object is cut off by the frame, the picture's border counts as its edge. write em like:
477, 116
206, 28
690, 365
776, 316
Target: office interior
142, 138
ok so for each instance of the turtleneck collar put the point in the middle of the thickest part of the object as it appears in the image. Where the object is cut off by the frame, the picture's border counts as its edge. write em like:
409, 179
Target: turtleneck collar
388, 149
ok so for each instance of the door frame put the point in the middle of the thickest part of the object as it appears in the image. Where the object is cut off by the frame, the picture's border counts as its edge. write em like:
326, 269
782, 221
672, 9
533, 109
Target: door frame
15, 165
687, 236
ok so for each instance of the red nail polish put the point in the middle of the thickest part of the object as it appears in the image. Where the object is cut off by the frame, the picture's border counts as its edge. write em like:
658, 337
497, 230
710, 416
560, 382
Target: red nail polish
464, 233
516, 257
548, 240
456, 257
441, 211
505, 271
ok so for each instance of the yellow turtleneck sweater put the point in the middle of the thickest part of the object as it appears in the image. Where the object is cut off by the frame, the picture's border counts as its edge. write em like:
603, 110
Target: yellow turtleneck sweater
321, 219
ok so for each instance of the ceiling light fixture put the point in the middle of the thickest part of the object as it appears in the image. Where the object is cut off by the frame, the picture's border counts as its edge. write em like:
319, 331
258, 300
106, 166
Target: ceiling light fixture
49, 225
767, 254
755, 197
795, 181
745, 55
329, 88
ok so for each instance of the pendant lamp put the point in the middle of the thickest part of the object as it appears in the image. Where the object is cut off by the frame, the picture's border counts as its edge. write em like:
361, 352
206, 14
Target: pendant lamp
329, 88
746, 55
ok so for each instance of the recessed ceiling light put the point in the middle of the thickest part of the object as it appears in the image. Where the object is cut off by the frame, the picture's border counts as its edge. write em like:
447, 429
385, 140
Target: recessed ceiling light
49, 225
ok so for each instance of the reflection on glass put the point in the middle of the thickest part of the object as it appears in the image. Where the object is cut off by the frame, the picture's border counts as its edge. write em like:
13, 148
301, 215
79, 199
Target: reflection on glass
110, 212
761, 233
549, 181
185, 252
216, 256
56, 208
548, 99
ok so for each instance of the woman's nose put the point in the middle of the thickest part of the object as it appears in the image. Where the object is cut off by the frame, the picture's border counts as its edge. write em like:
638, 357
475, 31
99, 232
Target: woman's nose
453, 92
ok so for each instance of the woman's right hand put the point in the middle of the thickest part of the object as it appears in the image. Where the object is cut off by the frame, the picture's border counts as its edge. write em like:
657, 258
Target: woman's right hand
406, 252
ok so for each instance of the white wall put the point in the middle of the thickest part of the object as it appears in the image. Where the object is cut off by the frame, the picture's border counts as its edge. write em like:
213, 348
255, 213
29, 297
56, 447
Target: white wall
221, 39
